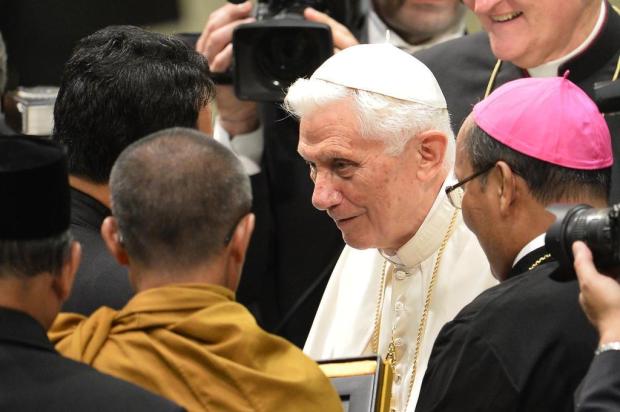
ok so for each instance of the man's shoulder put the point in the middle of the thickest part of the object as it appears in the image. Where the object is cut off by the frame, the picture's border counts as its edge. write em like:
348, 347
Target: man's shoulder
522, 295
103, 387
63, 384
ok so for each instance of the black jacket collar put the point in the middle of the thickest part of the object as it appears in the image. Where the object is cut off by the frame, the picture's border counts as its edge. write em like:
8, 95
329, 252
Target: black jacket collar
524, 264
87, 211
21, 329
604, 47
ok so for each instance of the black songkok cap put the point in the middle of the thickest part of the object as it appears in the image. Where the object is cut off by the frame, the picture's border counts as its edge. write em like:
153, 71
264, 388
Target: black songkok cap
34, 189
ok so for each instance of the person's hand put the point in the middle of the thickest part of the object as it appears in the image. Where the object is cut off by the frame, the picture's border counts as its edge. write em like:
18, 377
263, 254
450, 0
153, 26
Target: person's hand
600, 295
341, 35
215, 43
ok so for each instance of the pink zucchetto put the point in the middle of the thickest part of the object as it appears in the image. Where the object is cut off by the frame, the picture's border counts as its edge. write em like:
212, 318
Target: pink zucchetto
550, 119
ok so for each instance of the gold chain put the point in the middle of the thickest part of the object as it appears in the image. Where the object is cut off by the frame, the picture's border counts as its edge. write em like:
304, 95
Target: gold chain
539, 261
377, 325
390, 357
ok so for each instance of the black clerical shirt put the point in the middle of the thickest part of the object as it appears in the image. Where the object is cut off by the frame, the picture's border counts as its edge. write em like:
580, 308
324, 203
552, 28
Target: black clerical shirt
34, 377
100, 280
523, 345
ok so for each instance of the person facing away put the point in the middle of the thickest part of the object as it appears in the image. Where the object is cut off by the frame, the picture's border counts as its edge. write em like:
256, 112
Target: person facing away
120, 84
181, 224
523, 345
38, 260
379, 148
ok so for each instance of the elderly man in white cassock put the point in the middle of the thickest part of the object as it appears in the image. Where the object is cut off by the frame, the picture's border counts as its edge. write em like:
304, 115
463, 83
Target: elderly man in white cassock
375, 132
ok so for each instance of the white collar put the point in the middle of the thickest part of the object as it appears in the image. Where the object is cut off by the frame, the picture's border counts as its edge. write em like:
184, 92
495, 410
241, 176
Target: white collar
550, 69
377, 34
427, 239
537, 242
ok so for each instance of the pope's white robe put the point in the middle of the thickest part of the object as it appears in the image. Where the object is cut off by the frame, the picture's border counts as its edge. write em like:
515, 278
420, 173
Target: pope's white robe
344, 322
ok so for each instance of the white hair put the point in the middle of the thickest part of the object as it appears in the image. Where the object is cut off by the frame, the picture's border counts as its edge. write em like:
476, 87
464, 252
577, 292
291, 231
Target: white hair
380, 117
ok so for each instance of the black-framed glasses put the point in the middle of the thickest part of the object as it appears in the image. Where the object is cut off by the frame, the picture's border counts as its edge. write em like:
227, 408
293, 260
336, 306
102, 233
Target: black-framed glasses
455, 192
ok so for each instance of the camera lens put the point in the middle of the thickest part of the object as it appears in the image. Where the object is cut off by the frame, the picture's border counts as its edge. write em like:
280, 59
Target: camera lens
286, 55
596, 227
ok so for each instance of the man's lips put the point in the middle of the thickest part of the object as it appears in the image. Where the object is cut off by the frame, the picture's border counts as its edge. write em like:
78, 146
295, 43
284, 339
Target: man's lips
343, 220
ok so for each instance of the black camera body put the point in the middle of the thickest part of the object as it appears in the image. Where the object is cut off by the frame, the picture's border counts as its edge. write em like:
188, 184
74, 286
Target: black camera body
598, 228
280, 47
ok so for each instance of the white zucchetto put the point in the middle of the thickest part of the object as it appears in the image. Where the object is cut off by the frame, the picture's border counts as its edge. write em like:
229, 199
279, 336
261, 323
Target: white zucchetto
383, 69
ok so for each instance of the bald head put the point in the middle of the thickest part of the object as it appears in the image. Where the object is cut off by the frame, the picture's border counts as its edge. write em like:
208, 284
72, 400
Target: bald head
177, 196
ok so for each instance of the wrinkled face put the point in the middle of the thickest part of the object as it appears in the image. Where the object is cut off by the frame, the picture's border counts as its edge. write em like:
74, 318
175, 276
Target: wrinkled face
480, 213
419, 19
371, 196
532, 32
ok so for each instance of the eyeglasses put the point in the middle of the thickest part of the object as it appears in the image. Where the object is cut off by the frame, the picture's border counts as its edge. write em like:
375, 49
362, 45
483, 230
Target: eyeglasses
455, 192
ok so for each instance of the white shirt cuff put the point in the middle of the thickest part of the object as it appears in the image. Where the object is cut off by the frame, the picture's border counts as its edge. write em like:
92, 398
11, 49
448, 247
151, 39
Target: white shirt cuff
248, 146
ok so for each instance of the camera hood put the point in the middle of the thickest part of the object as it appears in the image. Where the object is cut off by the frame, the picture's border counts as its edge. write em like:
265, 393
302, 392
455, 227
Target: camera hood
270, 55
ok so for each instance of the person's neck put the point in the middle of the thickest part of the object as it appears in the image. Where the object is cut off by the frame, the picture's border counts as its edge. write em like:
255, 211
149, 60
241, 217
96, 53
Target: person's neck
31, 295
99, 191
427, 200
214, 272
533, 220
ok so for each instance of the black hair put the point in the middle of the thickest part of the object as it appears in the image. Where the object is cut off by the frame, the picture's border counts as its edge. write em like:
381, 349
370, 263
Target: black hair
27, 258
120, 84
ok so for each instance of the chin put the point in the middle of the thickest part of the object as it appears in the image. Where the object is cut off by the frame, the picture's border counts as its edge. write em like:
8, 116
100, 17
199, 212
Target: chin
357, 243
506, 51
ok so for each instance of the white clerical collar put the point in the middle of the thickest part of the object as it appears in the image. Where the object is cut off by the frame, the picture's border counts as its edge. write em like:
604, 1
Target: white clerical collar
550, 69
377, 34
537, 242
428, 238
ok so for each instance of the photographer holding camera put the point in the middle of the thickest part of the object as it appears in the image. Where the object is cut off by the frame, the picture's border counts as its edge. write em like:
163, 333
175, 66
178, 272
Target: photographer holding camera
282, 282
600, 300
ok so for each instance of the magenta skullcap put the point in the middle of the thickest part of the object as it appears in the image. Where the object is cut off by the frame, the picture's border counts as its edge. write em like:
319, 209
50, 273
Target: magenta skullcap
550, 119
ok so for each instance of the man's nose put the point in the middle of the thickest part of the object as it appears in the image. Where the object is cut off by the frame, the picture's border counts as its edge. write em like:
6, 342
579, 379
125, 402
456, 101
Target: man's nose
325, 195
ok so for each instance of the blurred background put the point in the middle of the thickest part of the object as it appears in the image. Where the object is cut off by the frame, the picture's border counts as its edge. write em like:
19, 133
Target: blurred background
39, 35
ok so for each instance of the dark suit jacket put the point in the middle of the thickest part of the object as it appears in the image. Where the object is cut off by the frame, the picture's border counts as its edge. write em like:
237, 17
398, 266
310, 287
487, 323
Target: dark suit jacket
100, 280
34, 377
523, 345
600, 389
463, 68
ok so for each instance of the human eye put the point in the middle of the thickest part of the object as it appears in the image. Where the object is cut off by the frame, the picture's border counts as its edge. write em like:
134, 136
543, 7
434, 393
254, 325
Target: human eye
312, 168
342, 167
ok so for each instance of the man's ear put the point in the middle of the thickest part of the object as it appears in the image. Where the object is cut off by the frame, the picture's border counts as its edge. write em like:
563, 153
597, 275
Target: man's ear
507, 187
431, 146
237, 249
112, 238
241, 237
63, 282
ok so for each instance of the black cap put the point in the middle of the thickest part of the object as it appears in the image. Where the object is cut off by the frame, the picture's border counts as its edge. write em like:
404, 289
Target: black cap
34, 188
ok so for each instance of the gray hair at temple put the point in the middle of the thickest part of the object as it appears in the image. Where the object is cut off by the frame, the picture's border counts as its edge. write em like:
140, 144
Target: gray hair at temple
178, 195
380, 117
